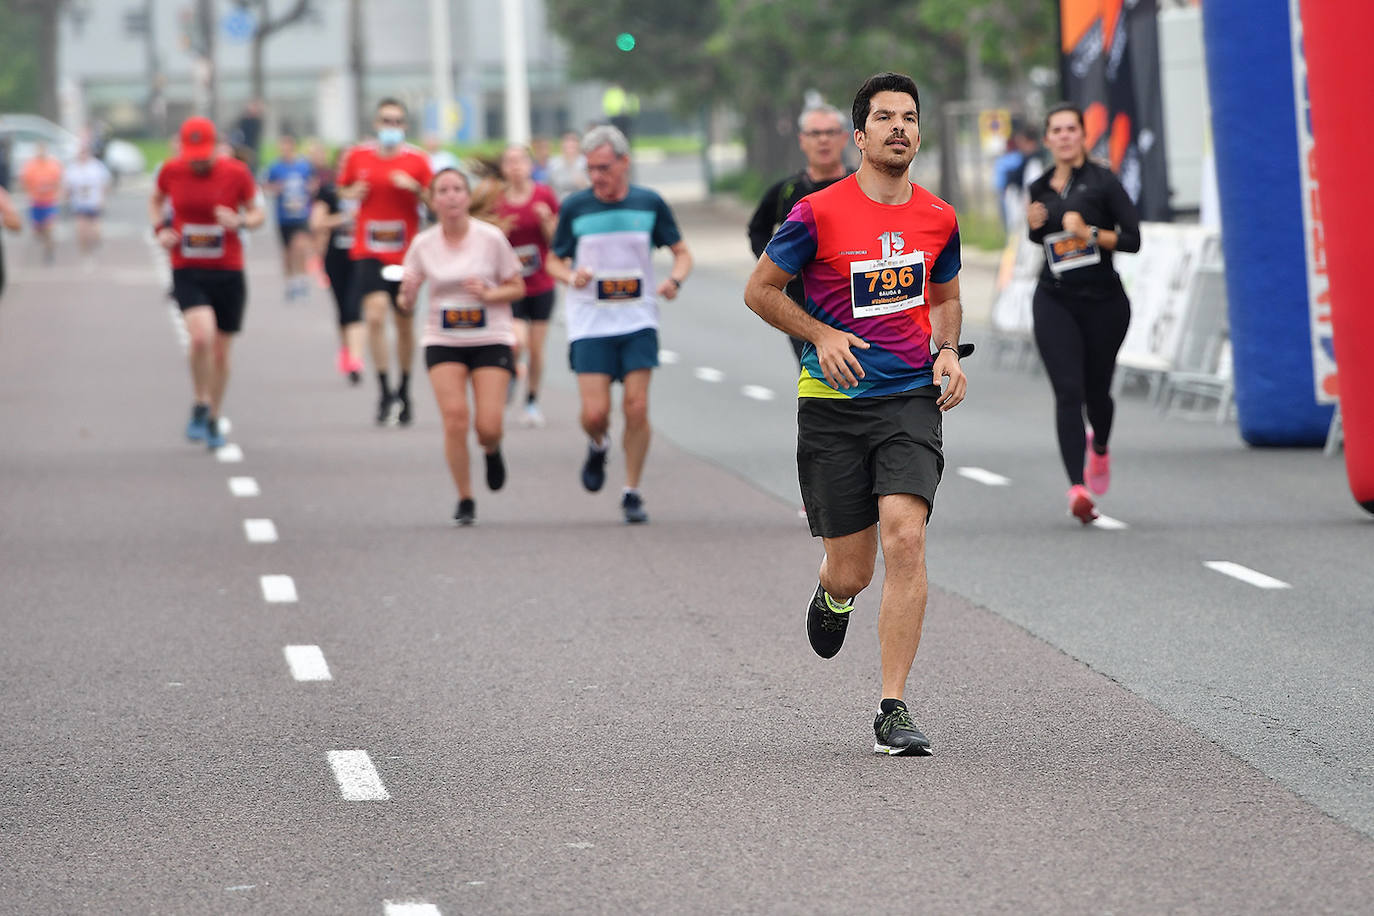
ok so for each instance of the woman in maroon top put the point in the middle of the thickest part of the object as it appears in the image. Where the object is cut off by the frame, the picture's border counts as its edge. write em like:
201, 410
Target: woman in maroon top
528, 213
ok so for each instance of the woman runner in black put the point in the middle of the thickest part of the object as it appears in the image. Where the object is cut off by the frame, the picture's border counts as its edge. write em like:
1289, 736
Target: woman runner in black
1081, 213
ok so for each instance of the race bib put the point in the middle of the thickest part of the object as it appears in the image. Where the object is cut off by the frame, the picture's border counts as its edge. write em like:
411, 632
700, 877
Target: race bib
200, 241
1066, 251
455, 316
888, 285
621, 287
386, 236
529, 259
343, 236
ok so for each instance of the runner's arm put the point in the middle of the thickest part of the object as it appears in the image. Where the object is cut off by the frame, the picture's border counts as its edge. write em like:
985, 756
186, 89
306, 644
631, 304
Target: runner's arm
561, 270
765, 295
946, 321
508, 290
682, 266
9, 216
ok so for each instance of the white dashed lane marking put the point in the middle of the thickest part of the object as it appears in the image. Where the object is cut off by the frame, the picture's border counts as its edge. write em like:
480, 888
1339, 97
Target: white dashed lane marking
278, 589
229, 454
707, 374
988, 478
307, 663
757, 392
414, 907
357, 777
1245, 574
667, 357
243, 486
1109, 523
260, 530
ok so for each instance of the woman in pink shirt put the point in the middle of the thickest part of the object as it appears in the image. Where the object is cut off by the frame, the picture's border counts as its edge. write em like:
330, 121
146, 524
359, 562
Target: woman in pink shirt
473, 275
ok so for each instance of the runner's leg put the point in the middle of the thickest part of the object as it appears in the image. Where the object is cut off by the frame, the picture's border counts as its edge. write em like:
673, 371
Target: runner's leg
1059, 338
902, 521
489, 399
219, 370
376, 305
200, 326
847, 567
637, 430
534, 375
595, 389
450, 381
1104, 331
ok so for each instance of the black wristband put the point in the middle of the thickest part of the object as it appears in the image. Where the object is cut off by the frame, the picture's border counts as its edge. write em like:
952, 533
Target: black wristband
677, 284
948, 347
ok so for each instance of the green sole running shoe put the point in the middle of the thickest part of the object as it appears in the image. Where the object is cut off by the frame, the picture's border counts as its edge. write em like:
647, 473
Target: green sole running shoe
825, 623
897, 735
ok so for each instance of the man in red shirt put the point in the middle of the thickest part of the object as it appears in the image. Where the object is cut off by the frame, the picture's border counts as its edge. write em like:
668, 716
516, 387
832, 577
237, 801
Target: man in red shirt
390, 179
212, 198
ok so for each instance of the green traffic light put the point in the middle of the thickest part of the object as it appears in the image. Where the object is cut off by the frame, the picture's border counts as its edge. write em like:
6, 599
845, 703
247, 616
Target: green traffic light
625, 41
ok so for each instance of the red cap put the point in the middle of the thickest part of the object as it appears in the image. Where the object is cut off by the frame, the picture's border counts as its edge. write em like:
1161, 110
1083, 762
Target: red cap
198, 138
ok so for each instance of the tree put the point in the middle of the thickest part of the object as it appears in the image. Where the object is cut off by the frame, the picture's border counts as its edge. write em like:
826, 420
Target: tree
28, 67
265, 26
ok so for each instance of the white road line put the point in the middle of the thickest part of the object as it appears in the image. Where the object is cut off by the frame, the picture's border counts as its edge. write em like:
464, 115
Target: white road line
307, 663
1245, 574
278, 589
1109, 523
667, 357
260, 530
757, 392
980, 475
243, 486
229, 454
413, 907
707, 374
357, 777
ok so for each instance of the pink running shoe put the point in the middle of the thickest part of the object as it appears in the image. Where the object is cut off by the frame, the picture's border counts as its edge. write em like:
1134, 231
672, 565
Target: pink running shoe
343, 361
1081, 504
1097, 469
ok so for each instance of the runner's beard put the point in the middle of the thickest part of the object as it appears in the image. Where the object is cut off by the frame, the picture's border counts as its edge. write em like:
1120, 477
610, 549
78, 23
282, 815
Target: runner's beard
892, 167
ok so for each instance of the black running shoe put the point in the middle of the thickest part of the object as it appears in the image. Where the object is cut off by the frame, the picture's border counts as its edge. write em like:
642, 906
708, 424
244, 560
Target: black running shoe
632, 504
384, 410
594, 470
824, 626
466, 513
897, 735
404, 416
496, 471
355, 377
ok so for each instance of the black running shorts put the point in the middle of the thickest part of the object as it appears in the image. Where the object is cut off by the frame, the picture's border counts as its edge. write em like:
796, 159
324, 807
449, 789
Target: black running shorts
488, 355
538, 307
850, 451
367, 278
222, 290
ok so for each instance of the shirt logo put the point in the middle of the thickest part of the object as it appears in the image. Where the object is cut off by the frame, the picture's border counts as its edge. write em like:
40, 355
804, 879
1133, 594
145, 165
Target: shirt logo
892, 244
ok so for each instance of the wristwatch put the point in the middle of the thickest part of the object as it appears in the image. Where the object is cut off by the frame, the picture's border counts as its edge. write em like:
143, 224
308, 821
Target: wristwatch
1092, 234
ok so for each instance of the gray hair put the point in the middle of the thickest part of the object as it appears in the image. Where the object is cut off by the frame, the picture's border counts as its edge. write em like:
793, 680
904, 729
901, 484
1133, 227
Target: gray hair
606, 135
822, 108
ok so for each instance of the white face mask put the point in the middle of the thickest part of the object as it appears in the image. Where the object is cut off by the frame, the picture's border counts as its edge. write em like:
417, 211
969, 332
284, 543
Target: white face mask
391, 136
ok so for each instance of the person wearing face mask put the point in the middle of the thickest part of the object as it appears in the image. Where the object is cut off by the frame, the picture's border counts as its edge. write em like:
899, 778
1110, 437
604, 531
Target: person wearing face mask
1081, 213
211, 198
473, 274
390, 179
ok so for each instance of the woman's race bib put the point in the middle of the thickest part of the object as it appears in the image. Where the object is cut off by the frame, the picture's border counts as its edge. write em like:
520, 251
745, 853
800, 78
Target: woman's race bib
529, 259
1066, 251
455, 315
201, 241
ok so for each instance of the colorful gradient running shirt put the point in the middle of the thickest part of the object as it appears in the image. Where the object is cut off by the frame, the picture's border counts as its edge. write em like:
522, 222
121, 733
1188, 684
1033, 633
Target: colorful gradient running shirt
865, 268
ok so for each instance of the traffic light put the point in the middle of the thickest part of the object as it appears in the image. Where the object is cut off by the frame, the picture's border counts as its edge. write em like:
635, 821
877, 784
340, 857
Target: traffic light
625, 41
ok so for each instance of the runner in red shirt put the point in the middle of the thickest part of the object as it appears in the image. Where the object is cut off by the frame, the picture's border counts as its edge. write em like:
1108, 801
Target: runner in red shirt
390, 178
528, 213
212, 198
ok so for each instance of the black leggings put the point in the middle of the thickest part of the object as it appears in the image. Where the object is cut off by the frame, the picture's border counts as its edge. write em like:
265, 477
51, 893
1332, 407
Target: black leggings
1078, 337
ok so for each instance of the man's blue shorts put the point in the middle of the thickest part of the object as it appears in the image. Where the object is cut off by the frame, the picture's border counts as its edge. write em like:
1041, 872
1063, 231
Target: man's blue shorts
615, 356
42, 214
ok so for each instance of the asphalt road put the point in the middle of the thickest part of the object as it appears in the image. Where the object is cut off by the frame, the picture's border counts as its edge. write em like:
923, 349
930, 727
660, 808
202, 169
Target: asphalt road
553, 712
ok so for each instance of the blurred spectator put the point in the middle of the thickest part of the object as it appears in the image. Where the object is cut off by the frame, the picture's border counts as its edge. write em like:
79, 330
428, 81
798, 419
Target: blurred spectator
540, 150
568, 171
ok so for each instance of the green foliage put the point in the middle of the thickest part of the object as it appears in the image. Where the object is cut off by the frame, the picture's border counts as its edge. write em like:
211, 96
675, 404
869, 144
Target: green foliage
747, 185
19, 70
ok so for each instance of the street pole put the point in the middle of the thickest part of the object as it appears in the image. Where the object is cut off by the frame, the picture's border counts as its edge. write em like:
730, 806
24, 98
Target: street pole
441, 66
517, 78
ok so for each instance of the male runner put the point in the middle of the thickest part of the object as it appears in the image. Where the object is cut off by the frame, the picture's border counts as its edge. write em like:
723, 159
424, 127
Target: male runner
602, 248
390, 178
212, 198
821, 133
880, 260
86, 183
291, 181
42, 181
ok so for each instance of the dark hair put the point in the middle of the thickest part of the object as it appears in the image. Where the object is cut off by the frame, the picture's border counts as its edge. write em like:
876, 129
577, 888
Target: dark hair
390, 100
434, 182
882, 82
1060, 109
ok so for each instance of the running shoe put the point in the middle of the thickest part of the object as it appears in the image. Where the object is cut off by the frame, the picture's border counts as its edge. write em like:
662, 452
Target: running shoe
214, 438
1081, 504
897, 735
496, 471
403, 417
384, 410
354, 367
533, 417
466, 513
342, 362
826, 621
196, 428
632, 504
1097, 469
594, 469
